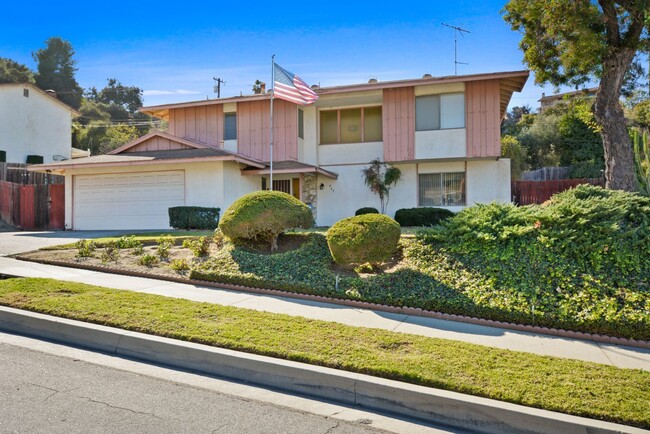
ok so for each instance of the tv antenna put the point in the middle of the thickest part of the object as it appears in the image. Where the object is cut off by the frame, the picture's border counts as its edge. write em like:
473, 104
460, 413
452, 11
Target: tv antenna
217, 86
457, 31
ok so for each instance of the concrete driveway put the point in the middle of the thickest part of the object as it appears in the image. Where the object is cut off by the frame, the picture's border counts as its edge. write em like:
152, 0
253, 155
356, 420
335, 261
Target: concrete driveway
12, 241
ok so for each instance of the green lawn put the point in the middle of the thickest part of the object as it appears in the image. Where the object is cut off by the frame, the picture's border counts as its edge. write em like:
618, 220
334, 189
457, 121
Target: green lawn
569, 386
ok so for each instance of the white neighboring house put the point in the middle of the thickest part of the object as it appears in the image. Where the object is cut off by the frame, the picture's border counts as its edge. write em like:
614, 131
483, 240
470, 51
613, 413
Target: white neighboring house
442, 132
33, 122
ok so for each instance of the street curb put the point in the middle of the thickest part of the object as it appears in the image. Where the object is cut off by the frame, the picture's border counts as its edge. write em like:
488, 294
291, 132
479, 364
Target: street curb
372, 393
405, 310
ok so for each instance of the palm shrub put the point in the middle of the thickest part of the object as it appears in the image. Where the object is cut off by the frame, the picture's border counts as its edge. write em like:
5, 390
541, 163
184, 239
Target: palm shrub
380, 177
365, 238
263, 216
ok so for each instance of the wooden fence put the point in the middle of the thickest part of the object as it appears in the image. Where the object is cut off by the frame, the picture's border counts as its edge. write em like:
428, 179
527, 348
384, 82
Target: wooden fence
18, 174
529, 192
31, 200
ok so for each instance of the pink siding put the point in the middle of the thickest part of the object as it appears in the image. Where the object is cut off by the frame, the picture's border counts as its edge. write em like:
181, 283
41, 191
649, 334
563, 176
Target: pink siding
199, 124
482, 118
398, 124
157, 144
253, 119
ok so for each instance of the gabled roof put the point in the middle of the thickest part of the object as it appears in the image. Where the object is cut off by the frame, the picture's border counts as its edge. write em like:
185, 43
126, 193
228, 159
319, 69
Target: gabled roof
288, 167
136, 142
510, 81
42, 92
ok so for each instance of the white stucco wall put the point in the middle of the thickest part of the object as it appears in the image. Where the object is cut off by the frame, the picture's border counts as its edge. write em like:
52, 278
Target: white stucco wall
488, 181
449, 143
340, 198
308, 147
236, 185
350, 153
33, 125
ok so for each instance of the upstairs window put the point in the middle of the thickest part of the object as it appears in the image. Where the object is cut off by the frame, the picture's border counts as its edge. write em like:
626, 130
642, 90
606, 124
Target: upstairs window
440, 112
301, 124
355, 125
230, 126
441, 189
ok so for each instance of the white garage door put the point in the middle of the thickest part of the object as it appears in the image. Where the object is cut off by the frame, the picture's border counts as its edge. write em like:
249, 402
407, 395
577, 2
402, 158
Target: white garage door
126, 201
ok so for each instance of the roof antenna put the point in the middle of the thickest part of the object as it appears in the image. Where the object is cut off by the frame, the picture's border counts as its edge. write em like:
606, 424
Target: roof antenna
217, 86
457, 31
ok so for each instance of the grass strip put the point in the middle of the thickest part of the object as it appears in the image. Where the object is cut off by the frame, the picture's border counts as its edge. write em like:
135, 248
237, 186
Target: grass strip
144, 237
568, 386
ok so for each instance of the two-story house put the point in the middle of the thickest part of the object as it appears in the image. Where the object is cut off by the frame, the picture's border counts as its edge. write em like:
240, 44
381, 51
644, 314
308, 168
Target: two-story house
33, 123
443, 133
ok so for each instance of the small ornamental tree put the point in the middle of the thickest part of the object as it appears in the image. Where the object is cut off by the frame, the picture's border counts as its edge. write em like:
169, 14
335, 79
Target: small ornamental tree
264, 215
380, 177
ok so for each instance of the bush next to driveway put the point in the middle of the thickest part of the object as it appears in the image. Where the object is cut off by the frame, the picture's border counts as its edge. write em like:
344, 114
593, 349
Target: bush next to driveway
264, 215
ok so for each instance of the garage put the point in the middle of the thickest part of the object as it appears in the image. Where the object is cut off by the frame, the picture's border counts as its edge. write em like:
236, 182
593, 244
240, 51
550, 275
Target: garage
126, 200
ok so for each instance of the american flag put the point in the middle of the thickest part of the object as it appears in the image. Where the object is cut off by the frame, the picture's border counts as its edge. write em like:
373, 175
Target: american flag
290, 87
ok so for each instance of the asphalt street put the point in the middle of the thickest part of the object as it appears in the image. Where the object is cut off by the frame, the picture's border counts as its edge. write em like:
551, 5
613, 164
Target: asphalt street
48, 393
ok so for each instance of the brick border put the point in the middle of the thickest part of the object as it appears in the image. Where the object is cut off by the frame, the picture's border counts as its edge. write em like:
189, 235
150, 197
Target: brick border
409, 311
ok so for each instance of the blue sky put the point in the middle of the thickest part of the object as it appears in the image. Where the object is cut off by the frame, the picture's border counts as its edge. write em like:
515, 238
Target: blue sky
172, 50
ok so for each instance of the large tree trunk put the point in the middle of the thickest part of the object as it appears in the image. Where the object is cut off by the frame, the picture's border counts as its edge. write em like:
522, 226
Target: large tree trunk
619, 159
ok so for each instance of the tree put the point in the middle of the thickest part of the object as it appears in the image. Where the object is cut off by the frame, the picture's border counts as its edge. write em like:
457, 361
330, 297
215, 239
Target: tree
511, 148
56, 70
512, 124
569, 42
380, 177
14, 72
129, 98
580, 145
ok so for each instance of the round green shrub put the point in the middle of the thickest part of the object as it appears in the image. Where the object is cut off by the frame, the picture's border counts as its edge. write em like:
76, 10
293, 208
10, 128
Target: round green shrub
365, 238
366, 210
264, 215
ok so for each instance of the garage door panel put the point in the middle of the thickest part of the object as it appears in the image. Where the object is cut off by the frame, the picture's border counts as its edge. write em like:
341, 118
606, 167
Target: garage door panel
127, 201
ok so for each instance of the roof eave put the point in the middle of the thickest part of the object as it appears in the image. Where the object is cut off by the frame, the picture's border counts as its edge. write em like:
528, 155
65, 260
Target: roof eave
82, 165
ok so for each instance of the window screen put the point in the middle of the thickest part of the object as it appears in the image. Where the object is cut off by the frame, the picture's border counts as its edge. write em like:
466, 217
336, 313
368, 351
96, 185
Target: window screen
329, 127
351, 126
230, 126
442, 189
452, 110
372, 124
427, 113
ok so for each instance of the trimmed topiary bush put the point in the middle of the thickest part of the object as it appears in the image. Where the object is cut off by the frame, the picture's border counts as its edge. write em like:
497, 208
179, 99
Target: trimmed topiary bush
366, 238
366, 210
264, 215
421, 216
193, 217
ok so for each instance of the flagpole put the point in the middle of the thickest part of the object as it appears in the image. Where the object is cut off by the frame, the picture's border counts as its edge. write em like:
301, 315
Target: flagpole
271, 141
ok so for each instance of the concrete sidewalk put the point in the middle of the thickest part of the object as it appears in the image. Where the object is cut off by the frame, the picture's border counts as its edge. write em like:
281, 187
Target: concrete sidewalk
623, 357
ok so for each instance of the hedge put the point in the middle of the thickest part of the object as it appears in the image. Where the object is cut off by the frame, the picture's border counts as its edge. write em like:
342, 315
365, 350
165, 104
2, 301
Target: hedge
421, 216
366, 210
193, 217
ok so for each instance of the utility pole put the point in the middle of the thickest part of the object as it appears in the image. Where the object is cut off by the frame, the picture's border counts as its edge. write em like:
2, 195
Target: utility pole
457, 30
217, 86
